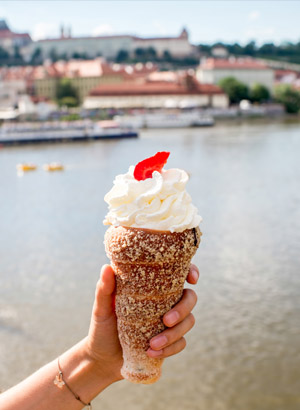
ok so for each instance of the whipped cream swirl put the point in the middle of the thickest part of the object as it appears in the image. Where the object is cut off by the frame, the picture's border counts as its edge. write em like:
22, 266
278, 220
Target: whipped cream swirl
158, 203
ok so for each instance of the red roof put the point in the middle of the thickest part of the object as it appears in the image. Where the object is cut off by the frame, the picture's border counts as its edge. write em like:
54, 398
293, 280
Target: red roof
154, 88
11, 34
233, 64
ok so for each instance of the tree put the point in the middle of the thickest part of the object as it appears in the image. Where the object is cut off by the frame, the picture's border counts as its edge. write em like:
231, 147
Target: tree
235, 90
151, 53
250, 49
139, 53
4, 56
65, 89
122, 56
259, 93
17, 58
36, 57
53, 55
289, 97
69, 102
167, 56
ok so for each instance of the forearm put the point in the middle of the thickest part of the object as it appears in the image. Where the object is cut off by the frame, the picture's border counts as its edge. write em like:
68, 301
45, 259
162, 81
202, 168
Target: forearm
38, 391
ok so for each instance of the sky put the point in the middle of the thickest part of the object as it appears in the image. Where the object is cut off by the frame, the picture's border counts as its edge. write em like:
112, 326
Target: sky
207, 21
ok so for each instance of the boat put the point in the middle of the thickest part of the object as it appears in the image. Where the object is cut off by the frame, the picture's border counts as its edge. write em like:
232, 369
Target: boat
62, 131
26, 167
177, 119
53, 166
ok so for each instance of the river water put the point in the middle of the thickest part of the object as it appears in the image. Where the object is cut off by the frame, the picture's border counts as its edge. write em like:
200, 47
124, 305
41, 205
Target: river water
244, 351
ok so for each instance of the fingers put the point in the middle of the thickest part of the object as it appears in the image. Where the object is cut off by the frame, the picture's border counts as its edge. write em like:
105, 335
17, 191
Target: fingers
179, 321
104, 295
182, 309
175, 348
166, 343
193, 275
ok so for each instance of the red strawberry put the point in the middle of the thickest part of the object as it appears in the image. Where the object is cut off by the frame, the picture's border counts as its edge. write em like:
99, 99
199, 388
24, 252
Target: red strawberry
145, 169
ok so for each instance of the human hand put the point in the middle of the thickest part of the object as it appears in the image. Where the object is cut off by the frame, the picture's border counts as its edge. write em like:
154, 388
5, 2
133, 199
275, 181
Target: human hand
103, 343
179, 320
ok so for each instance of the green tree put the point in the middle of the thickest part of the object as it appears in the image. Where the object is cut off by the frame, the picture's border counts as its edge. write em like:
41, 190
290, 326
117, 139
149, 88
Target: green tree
259, 93
36, 57
4, 56
69, 102
151, 53
65, 89
250, 49
17, 57
53, 55
122, 56
167, 56
139, 53
235, 90
289, 97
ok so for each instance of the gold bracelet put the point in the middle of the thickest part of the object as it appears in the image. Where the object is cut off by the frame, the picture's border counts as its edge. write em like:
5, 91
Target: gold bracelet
60, 382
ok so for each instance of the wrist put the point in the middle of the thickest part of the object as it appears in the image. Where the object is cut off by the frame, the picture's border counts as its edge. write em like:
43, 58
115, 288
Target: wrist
108, 370
83, 373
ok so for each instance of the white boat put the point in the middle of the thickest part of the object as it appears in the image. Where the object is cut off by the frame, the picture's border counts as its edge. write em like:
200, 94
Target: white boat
166, 120
58, 131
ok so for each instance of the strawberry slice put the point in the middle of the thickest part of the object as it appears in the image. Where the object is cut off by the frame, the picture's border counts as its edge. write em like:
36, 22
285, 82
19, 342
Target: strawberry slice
145, 168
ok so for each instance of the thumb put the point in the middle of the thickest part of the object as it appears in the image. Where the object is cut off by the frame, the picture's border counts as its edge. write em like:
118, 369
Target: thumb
104, 296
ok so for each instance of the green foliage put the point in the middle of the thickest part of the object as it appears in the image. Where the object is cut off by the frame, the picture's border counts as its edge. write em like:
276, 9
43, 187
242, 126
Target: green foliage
70, 117
235, 90
66, 93
122, 56
36, 57
145, 54
259, 93
80, 56
4, 56
69, 102
289, 97
53, 55
286, 51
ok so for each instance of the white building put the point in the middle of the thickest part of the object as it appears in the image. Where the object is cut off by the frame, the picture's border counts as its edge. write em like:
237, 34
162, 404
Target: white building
156, 94
109, 46
246, 70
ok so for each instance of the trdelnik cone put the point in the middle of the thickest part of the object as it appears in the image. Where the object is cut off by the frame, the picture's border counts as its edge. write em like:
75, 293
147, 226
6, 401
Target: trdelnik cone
153, 236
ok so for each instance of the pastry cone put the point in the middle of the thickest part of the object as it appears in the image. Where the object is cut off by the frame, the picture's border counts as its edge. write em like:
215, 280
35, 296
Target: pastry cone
151, 268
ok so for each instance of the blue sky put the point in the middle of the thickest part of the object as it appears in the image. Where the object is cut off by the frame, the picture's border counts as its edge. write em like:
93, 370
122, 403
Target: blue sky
207, 21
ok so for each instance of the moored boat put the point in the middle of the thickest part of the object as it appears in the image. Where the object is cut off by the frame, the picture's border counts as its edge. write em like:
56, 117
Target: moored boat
53, 166
85, 130
27, 166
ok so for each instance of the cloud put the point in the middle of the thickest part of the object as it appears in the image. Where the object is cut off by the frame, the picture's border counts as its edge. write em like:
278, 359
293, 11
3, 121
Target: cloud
44, 30
254, 15
102, 30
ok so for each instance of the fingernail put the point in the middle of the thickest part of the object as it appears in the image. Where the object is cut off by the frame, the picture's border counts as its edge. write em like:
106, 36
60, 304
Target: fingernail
195, 275
154, 353
171, 318
158, 342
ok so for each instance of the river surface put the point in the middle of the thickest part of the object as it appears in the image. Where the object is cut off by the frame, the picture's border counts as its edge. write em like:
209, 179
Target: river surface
244, 351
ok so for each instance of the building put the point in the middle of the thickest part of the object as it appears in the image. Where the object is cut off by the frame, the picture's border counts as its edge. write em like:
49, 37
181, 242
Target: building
9, 40
219, 51
109, 46
246, 70
144, 93
42, 81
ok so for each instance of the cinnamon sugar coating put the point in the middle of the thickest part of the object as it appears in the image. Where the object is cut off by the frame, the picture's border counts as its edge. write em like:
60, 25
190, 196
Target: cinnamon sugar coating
151, 268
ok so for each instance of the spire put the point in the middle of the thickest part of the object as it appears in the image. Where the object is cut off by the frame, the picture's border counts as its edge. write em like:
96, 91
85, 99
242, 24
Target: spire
62, 31
184, 33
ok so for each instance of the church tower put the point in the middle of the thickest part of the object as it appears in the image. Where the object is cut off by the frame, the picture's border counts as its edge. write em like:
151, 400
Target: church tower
184, 34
